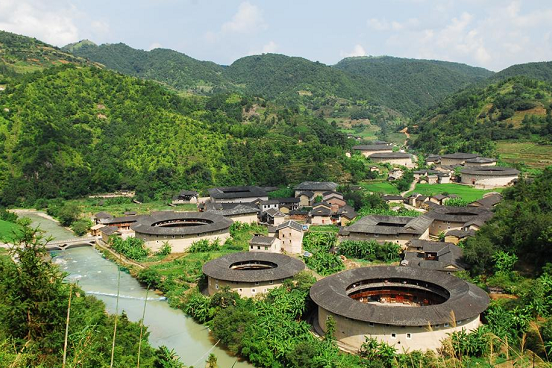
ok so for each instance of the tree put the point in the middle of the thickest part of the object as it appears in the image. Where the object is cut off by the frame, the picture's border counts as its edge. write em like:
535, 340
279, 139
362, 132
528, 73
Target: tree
68, 214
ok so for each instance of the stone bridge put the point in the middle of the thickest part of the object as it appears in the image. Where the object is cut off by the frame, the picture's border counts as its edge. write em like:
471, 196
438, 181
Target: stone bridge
71, 243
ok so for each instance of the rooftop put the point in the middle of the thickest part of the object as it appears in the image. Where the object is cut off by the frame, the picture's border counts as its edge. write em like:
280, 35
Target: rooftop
388, 225
262, 240
317, 186
458, 214
278, 267
490, 171
460, 156
464, 300
391, 155
373, 147
237, 192
181, 223
481, 160
291, 224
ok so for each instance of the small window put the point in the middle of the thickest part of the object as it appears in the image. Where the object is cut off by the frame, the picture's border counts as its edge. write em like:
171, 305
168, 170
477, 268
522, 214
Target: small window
253, 291
256, 283
371, 324
446, 325
216, 286
271, 282
408, 336
241, 290
393, 336
258, 247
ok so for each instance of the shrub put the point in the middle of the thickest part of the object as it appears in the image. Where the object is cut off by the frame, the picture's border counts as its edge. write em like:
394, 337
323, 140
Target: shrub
81, 227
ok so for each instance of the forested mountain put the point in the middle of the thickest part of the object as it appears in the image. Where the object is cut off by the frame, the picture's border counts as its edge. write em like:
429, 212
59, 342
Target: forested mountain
20, 54
404, 85
70, 131
539, 70
424, 82
471, 120
169, 67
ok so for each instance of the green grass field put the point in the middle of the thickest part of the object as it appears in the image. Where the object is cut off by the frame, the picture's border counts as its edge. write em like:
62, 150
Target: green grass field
6, 230
463, 191
530, 153
118, 206
380, 187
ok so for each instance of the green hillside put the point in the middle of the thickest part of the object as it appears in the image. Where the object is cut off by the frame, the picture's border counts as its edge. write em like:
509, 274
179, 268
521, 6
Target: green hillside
472, 120
540, 70
68, 131
363, 87
20, 54
166, 66
424, 82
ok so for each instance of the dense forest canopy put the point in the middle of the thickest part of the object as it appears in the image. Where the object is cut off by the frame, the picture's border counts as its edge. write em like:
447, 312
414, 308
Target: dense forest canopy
70, 131
424, 82
390, 82
472, 120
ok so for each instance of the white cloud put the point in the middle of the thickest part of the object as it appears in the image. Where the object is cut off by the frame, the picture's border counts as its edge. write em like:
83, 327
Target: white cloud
358, 50
378, 24
270, 47
493, 35
100, 27
249, 18
155, 45
52, 21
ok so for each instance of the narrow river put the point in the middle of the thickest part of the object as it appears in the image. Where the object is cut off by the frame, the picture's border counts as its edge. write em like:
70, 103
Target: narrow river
98, 276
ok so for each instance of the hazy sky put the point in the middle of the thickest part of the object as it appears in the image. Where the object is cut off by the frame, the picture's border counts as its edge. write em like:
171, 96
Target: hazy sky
490, 33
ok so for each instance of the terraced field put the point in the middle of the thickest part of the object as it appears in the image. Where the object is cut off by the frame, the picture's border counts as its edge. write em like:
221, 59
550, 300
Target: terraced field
530, 153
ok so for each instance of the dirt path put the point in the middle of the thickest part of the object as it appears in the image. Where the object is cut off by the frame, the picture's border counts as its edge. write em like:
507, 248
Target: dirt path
412, 186
405, 131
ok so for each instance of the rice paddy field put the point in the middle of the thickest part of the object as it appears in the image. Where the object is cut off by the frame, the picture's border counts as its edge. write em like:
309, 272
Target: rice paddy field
380, 187
465, 192
533, 155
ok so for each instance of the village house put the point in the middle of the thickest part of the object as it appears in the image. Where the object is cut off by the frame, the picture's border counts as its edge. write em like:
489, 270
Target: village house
368, 150
273, 217
317, 188
290, 234
447, 218
480, 162
456, 159
185, 196
268, 204
288, 204
238, 212
321, 214
456, 236
107, 231
489, 176
438, 256
433, 159
408, 308
393, 229
306, 198
245, 194
489, 200
393, 158
250, 273
102, 218
345, 215
260, 243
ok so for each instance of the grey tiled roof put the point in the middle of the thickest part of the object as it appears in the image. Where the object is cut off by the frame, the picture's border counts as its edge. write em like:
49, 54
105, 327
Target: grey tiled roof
316, 185
372, 147
210, 222
237, 192
262, 240
465, 300
293, 224
220, 268
377, 224
458, 214
490, 171
460, 156
488, 201
391, 155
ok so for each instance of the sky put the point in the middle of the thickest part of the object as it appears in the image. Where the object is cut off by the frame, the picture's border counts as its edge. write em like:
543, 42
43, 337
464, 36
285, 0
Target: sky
493, 34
